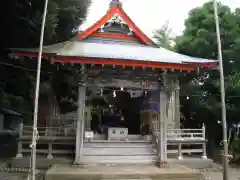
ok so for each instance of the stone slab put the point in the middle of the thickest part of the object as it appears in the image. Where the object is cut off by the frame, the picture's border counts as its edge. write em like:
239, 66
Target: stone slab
195, 163
42, 162
68, 172
12, 176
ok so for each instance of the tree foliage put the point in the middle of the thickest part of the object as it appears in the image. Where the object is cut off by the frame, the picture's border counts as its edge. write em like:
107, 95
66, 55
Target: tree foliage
21, 27
24, 21
199, 40
163, 36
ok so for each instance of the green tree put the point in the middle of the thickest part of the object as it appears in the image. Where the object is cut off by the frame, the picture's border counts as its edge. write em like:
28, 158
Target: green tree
163, 36
21, 28
199, 39
23, 22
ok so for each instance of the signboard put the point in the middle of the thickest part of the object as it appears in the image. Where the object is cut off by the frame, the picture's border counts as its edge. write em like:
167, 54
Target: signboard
89, 135
115, 133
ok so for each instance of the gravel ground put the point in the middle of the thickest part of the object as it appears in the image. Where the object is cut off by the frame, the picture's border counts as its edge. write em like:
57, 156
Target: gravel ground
234, 174
10, 176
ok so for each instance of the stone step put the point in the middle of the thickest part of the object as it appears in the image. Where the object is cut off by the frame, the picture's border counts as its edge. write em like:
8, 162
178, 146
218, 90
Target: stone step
131, 137
120, 144
121, 159
121, 172
119, 151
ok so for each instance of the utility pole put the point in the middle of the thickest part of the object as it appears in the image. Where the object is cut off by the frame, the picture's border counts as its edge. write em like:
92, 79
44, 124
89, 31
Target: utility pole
224, 121
35, 118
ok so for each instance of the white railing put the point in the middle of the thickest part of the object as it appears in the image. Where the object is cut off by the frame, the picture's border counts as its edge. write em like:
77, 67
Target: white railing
48, 135
183, 141
182, 134
186, 134
50, 131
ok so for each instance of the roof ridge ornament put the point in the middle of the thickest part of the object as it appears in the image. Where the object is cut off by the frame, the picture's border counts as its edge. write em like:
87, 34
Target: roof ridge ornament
114, 3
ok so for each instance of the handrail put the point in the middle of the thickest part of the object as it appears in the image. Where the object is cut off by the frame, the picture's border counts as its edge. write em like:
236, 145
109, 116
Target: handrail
184, 134
180, 137
176, 138
172, 134
50, 131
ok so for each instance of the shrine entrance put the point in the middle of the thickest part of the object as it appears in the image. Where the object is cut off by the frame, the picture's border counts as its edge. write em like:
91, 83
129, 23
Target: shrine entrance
119, 109
117, 102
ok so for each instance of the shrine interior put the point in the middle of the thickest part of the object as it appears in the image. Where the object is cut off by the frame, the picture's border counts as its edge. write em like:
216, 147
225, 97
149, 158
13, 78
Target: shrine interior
117, 97
113, 108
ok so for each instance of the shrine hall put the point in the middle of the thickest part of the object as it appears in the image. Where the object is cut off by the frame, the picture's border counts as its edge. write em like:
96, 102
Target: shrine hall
128, 108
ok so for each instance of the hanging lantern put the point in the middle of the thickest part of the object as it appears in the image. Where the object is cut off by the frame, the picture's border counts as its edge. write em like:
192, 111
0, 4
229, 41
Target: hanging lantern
145, 94
198, 69
121, 88
114, 93
52, 59
131, 94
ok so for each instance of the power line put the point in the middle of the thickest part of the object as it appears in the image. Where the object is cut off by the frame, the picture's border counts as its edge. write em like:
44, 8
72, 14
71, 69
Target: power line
20, 67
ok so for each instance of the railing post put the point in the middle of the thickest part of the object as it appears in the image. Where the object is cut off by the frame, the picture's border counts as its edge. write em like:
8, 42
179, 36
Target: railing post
50, 156
204, 131
204, 156
180, 151
65, 131
19, 153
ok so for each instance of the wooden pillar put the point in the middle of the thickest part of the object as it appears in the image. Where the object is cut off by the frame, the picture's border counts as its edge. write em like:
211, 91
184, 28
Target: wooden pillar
88, 117
177, 106
19, 153
204, 156
162, 156
80, 123
171, 109
50, 144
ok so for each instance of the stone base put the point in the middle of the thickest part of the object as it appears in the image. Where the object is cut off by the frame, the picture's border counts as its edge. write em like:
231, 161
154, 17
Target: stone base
19, 156
162, 164
204, 157
195, 163
78, 164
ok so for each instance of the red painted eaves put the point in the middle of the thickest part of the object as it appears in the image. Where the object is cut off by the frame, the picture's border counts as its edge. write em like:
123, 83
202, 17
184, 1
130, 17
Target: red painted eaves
98, 24
117, 10
132, 25
120, 62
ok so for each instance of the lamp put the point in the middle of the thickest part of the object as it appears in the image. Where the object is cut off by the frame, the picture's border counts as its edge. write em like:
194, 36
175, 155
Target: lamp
114, 93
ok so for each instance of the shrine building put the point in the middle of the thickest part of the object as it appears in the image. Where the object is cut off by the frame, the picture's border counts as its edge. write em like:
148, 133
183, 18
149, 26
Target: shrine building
135, 86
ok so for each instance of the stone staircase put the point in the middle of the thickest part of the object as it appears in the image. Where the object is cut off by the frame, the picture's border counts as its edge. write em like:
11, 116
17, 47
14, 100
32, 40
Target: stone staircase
119, 152
119, 172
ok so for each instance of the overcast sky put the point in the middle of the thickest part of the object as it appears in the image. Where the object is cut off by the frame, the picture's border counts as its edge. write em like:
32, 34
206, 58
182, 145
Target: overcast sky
150, 15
